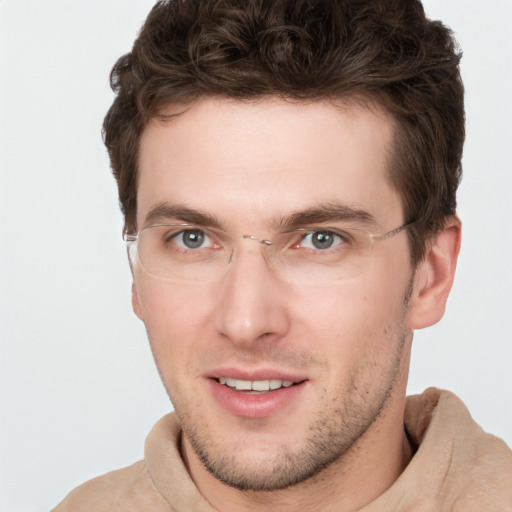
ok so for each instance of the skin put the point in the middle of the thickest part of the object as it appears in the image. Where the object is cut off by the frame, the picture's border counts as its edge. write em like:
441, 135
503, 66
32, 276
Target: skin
340, 442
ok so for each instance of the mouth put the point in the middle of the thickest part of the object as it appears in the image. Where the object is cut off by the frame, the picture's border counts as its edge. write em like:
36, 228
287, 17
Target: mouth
256, 386
261, 397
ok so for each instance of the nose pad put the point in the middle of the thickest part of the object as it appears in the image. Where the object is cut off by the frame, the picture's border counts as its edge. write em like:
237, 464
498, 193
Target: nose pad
249, 237
251, 304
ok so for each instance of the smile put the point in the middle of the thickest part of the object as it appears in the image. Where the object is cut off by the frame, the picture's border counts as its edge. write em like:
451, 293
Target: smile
258, 398
255, 385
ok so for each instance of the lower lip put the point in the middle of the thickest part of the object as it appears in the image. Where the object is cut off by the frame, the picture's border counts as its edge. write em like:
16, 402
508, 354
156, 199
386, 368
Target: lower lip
247, 405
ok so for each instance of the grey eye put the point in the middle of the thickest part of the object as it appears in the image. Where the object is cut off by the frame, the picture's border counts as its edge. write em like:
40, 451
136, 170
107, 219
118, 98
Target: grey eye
321, 240
191, 238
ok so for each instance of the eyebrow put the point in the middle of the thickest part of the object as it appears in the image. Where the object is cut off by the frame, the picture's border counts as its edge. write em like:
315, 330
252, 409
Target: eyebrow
326, 213
164, 212
167, 212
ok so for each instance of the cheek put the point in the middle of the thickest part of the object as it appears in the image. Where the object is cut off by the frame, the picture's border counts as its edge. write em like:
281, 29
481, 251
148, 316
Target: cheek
175, 317
359, 336
352, 320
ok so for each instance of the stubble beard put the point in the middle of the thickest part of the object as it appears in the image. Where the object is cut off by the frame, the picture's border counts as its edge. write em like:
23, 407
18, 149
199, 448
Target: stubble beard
330, 437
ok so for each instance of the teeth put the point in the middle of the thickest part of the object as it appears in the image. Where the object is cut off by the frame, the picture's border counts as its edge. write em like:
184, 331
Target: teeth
243, 385
275, 384
255, 385
260, 385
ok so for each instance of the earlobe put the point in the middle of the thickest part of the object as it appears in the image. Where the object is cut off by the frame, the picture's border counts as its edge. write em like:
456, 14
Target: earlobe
135, 302
434, 276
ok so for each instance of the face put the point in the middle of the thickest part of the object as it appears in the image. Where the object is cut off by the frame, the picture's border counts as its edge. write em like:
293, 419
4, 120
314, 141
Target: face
251, 166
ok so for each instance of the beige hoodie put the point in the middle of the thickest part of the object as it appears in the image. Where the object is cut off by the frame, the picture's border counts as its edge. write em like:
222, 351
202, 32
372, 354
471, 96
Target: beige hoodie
457, 467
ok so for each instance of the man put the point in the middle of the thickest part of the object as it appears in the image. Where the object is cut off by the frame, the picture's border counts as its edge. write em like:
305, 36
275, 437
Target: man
287, 171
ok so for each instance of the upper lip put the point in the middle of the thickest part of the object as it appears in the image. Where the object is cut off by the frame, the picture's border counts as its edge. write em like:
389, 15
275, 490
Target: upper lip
255, 374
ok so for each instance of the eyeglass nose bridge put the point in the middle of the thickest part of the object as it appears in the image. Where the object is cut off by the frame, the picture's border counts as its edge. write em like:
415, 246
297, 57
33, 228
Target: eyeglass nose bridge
250, 237
256, 239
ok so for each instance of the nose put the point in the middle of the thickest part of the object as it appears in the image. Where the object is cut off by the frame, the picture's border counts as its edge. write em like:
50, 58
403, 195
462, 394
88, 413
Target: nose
252, 300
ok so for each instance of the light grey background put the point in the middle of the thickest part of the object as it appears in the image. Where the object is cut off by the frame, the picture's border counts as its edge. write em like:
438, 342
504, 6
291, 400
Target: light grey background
78, 388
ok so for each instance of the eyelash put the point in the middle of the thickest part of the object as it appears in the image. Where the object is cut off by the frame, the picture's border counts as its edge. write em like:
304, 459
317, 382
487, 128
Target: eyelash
326, 232
175, 237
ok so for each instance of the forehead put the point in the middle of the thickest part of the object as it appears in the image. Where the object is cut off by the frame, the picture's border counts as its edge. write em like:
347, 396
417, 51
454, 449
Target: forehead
242, 161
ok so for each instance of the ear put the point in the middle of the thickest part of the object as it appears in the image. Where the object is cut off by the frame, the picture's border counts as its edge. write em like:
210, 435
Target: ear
135, 302
434, 276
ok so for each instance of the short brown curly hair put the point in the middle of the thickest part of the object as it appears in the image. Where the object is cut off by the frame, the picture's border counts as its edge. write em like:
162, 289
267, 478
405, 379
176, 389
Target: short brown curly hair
383, 50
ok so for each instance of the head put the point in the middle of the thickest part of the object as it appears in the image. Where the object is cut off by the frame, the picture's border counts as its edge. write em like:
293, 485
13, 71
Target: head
247, 115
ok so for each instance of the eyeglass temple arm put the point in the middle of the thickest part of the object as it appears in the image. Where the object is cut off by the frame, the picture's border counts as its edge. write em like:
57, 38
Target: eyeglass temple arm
393, 232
